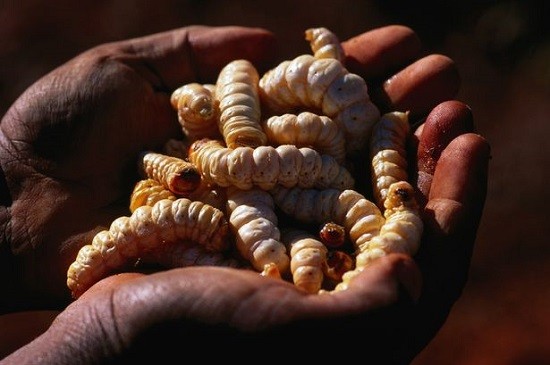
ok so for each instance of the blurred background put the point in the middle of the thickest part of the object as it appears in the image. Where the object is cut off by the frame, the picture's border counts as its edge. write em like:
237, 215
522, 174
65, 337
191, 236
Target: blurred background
502, 49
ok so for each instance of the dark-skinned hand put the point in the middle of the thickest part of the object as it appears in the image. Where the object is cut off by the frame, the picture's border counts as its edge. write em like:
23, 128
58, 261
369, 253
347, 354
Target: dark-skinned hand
68, 152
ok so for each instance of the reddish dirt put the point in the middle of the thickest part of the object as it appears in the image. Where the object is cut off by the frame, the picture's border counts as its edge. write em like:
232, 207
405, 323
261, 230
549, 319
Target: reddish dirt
503, 55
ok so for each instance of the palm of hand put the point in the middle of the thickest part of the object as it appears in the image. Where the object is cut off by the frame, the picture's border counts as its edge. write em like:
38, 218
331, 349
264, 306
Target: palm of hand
81, 140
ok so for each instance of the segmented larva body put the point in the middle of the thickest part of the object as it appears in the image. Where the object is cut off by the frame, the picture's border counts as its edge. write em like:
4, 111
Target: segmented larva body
253, 221
267, 166
197, 110
177, 175
388, 153
307, 257
144, 231
324, 43
183, 254
239, 104
307, 130
148, 192
310, 83
401, 233
360, 217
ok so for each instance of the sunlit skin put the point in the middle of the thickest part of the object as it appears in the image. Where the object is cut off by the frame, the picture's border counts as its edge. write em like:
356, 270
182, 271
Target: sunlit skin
82, 184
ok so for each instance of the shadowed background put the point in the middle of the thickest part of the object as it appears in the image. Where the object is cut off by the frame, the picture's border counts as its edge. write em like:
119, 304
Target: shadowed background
503, 54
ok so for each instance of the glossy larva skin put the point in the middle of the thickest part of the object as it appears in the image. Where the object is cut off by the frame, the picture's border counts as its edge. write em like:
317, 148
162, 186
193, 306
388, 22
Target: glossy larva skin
360, 217
267, 166
239, 105
307, 82
307, 129
177, 175
144, 231
308, 257
401, 232
253, 221
324, 43
388, 153
197, 110
148, 192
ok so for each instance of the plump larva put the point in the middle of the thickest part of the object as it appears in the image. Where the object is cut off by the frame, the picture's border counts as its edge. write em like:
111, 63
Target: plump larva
148, 192
197, 110
400, 233
239, 104
360, 217
177, 175
307, 130
388, 153
307, 82
253, 222
266, 166
144, 231
324, 43
332, 234
307, 257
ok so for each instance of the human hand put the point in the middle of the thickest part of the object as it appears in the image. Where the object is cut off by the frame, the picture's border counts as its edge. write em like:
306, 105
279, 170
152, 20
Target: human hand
237, 302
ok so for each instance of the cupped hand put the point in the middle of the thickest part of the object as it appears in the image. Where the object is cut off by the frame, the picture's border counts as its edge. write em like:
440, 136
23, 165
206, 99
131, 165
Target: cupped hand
69, 147
69, 144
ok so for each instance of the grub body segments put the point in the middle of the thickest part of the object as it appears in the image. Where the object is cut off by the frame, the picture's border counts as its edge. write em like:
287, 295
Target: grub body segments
239, 104
360, 218
197, 110
267, 166
177, 175
401, 232
324, 43
307, 129
388, 153
253, 221
307, 82
146, 230
308, 258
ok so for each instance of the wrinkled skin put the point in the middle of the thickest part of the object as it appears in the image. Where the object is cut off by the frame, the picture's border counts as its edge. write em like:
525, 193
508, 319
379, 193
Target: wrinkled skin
68, 150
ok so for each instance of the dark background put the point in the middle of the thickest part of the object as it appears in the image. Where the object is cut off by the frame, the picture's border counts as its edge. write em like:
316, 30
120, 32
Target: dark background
503, 54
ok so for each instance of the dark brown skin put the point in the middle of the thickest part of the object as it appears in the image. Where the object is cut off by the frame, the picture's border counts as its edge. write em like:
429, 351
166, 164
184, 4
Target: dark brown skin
389, 313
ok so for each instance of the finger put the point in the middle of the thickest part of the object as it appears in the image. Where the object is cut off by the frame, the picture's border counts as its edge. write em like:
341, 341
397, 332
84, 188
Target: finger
452, 215
419, 87
198, 53
445, 122
378, 53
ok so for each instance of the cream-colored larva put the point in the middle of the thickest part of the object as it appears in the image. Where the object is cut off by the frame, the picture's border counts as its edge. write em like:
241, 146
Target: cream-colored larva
197, 110
360, 217
388, 153
239, 104
148, 228
307, 82
401, 232
324, 43
148, 192
177, 175
307, 129
253, 221
307, 258
267, 166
